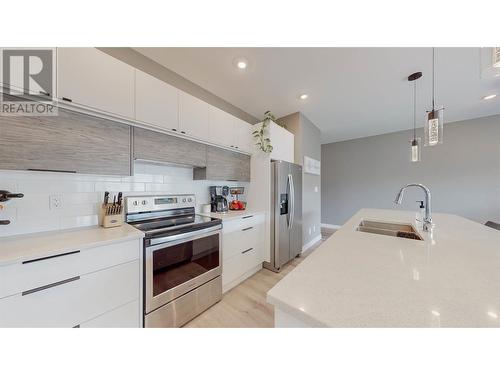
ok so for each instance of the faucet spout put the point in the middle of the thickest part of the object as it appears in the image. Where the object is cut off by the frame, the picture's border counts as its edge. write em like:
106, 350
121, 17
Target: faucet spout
428, 211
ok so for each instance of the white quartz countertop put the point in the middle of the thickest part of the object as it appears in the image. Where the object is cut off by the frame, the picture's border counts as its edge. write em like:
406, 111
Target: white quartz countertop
25, 247
357, 279
230, 214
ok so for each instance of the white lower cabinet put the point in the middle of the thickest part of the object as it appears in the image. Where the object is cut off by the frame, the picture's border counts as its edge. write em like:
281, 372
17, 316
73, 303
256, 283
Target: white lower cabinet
126, 316
95, 287
242, 249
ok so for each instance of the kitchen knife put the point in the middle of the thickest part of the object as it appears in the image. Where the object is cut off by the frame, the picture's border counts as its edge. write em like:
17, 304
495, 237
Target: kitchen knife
106, 197
120, 198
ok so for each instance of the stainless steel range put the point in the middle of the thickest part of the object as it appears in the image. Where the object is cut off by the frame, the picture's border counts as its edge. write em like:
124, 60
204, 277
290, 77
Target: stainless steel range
182, 258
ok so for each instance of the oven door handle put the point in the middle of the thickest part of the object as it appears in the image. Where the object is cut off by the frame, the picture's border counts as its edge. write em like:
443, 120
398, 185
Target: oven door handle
159, 242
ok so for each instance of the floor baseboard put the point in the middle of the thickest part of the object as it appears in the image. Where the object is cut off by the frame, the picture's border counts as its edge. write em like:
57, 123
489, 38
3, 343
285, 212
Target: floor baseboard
330, 226
308, 245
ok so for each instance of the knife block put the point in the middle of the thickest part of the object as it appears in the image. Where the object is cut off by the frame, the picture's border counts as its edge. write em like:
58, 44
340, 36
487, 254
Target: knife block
108, 220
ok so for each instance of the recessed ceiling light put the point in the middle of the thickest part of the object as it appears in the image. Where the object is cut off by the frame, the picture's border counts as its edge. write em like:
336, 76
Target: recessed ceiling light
303, 96
488, 97
242, 64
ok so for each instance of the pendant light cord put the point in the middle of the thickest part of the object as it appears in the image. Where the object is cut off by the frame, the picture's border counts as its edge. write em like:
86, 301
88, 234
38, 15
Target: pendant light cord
414, 110
433, 74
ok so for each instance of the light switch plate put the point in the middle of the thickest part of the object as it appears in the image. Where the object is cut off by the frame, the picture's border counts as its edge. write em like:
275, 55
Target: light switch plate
55, 202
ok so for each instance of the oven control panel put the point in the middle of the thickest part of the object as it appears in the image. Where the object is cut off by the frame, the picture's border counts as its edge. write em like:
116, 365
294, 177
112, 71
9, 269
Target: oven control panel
158, 203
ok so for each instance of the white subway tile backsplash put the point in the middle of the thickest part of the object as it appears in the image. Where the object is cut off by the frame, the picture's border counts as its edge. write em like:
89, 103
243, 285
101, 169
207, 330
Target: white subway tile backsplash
82, 194
58, 185
68, 222
143, 178
119, 186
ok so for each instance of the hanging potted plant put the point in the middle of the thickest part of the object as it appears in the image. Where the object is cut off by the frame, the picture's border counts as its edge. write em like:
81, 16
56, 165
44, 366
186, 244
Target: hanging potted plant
260, 134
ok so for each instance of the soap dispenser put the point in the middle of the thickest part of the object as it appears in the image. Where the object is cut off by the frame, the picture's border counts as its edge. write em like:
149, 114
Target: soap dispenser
419, 216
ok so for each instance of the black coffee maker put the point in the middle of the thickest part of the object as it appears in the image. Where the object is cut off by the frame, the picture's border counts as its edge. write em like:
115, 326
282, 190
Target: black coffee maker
218, 200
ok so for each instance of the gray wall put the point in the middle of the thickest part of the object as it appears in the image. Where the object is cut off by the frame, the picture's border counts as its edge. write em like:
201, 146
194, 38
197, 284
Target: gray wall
307, 143
141, 62
463, 173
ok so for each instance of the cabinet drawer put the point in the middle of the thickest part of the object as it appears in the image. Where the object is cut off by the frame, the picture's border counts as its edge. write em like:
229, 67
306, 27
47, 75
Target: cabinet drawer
243, 222
241, 263
126, 316
73, 301
236, 241
20, 277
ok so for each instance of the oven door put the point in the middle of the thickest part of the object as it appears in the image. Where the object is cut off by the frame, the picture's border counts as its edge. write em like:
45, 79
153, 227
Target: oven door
180, 263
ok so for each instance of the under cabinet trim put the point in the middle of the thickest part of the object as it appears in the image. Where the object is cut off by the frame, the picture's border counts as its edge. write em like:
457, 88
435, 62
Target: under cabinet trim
50, 170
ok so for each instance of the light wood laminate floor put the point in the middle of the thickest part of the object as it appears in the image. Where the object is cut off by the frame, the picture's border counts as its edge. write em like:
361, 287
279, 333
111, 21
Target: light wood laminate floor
245, 305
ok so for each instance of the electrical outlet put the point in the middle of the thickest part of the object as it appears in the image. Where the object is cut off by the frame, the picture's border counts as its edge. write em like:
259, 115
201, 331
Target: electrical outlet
316, 189
314, 228
55, 202
309, 230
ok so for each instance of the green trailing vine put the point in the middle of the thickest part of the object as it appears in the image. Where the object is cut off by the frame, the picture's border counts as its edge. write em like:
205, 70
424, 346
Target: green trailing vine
263, 141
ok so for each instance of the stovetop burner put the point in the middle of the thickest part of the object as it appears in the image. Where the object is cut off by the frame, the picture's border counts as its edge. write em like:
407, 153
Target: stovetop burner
165, 215
165, 224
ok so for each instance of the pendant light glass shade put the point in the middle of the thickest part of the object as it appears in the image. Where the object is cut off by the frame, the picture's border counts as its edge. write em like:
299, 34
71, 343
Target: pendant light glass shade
433, 129
415, 150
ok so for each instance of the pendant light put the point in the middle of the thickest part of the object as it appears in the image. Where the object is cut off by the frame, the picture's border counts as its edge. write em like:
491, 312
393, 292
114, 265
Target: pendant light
433, 129
415, 142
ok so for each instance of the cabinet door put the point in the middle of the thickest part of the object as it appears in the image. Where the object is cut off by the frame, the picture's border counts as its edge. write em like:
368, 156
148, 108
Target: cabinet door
164, 148
222, 130
126, 316
193, 116
67, 142
224, 165
243, 136
283, 143
156, 102
91, 78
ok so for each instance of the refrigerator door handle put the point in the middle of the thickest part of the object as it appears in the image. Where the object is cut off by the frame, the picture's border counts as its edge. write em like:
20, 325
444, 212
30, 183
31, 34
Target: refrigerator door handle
292, 202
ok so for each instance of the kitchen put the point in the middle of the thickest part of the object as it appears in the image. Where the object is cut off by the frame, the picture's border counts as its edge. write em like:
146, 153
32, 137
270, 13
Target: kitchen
162, 187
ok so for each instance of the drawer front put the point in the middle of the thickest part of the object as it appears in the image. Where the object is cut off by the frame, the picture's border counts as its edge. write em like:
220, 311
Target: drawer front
126, 316
181, 310
240, 264
235, 242
235, 225
19, 277
73, 301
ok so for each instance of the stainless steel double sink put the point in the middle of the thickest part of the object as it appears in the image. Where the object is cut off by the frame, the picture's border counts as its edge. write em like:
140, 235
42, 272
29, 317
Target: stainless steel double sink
389, 229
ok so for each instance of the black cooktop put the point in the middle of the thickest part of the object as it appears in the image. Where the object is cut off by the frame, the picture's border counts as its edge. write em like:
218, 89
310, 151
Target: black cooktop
178, 224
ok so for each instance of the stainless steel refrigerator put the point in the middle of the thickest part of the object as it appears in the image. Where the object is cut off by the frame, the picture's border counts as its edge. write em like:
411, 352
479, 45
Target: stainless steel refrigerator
286, 213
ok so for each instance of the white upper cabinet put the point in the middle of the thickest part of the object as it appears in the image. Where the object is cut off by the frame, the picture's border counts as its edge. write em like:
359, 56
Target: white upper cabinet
283, 143
156, 102
221, 127
91, 78
243, 136
193, 116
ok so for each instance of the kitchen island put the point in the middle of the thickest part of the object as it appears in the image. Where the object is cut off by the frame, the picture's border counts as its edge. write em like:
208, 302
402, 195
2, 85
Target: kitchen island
355, 279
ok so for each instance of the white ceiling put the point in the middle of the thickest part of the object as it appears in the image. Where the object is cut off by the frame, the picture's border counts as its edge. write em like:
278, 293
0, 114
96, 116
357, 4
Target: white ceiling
353, 92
